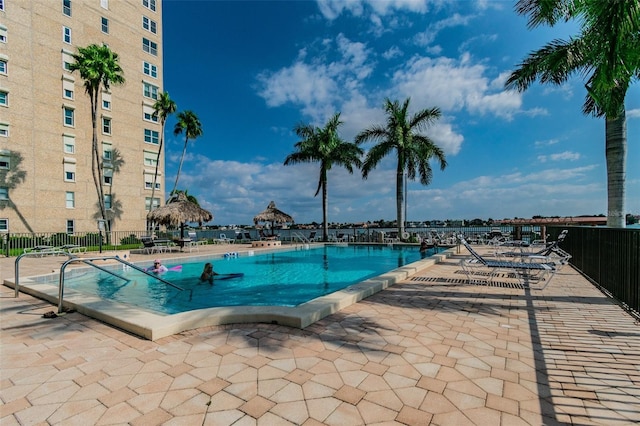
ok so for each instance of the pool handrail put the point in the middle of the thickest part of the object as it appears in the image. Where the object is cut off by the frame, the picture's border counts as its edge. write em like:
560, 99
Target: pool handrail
88, 261
16, 285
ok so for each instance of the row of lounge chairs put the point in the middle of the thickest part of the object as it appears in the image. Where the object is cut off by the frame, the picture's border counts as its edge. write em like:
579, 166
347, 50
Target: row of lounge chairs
525, 266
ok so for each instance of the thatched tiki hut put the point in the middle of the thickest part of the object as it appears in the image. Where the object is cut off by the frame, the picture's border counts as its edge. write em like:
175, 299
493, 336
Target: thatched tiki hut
272, 215
178, 211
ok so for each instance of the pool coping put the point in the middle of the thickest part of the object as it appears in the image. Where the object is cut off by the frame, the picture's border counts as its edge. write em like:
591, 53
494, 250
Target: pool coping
154, 326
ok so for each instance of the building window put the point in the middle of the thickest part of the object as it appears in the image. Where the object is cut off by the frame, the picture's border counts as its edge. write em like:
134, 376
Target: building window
147, 202
3, 34
66, 35
69, 144
151, 136
70, 199
4, 225
69, 165
70, 226
106, 125
4, 193
149, 25
108, 176
68, 116
1, 4
107, 202
105, 25
150, 47
104, 4
66, 7
5, 162
67, 88
150, 69
149, 114
148, 181
149, 4
67, 60
149, 91
106, 100
150, 158
107, 151
4, 130
4, 98
3, 65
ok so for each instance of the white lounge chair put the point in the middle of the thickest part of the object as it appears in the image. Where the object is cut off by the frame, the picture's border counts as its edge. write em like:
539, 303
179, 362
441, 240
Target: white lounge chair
477, 268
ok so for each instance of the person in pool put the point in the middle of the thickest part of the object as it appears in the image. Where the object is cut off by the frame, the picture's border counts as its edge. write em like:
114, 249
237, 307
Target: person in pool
157, 267
208, 273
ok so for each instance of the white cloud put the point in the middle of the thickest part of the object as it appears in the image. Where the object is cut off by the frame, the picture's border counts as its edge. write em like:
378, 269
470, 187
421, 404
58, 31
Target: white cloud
633, 113
454, 85
393, 52
235, 192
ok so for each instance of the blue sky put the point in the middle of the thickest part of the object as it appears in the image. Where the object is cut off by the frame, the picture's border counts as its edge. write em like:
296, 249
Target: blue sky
252, 70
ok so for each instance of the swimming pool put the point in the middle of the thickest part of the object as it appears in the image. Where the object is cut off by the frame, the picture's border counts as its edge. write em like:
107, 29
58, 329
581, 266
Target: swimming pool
285, 278
99, 297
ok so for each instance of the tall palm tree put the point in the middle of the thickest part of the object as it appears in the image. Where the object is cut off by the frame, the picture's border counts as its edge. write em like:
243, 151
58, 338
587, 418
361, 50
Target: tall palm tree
163, 107
99, 68
324, 145
189, 123
606, 53
414, 151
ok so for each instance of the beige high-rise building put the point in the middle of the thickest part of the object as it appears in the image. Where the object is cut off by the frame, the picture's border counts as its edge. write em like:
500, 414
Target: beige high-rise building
46, 182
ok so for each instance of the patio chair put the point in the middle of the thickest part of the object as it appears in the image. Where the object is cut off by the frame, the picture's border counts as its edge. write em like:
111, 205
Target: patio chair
150, 247
551, 251
476, 266
222, 238
193, 243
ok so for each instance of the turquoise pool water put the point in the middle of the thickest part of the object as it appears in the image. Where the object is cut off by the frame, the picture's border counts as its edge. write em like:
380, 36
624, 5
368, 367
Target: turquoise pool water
286, 278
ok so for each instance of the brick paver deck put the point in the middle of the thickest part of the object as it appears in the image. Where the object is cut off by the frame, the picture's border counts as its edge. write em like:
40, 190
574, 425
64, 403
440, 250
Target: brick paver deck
430, 350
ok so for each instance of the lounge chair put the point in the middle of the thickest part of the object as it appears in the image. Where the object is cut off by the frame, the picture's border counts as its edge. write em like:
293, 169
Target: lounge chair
222, 238
193, 243
243, 237
149, 246
551, 251
477, 268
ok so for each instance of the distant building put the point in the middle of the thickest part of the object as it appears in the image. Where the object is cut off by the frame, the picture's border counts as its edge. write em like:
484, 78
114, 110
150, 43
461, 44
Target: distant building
567, 220
46, 184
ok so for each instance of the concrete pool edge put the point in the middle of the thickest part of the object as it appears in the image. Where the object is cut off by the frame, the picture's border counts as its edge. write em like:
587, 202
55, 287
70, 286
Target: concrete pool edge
154, 326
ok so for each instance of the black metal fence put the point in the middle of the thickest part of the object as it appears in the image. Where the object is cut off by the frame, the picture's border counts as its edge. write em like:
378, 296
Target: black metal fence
609, 257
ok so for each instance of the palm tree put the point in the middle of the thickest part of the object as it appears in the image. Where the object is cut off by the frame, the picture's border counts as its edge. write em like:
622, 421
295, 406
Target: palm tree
163, 107
188, 123
189, 197
413, 150
323, 145
99, 68
606, 53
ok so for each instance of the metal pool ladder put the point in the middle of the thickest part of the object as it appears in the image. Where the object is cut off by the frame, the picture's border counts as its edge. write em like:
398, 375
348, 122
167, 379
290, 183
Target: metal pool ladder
87, 261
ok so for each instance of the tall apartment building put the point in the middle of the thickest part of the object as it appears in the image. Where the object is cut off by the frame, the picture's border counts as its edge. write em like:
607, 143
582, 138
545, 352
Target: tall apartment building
46, 182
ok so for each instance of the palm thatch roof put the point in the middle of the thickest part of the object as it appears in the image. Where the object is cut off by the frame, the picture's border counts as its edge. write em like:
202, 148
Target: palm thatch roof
273, 215
178, 211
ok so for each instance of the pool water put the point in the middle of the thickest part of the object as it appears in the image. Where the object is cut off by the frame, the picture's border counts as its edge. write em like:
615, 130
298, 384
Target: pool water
285, 278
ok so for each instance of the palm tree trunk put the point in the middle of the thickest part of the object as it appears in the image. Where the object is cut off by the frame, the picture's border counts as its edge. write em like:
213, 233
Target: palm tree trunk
95, 162
616, 155
184, 151
155, 176
400, 198
325, 208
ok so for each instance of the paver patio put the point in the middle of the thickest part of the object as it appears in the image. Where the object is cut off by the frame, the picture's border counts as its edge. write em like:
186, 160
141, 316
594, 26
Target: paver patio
429, 350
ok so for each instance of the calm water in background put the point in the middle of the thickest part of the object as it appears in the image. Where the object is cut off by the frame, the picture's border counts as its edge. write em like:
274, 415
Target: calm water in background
282, 278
